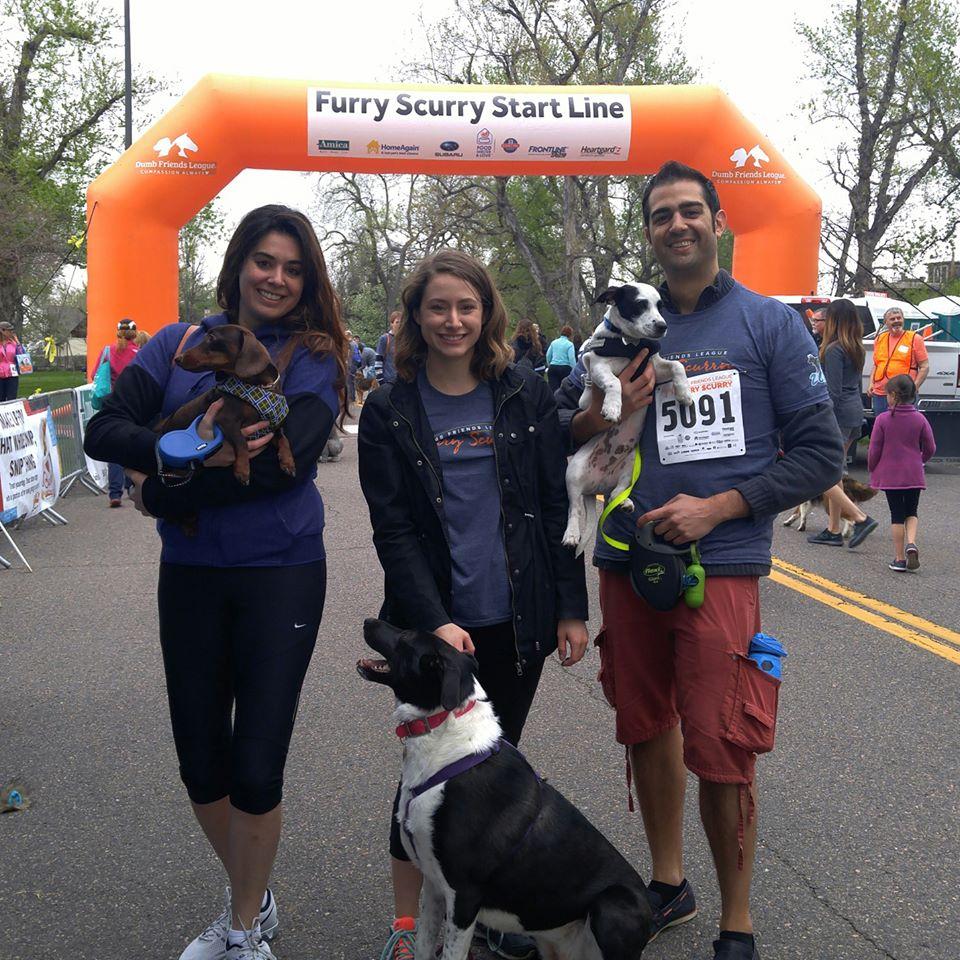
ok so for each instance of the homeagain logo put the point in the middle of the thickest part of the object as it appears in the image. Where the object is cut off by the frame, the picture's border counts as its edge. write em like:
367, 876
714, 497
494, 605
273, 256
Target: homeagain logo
557, 152
400, 149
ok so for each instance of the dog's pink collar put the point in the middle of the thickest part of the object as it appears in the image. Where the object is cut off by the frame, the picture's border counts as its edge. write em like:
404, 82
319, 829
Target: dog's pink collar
417, 728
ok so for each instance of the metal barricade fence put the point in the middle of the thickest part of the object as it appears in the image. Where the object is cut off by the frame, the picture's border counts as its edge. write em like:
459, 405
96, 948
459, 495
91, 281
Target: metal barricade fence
62, 405
69, 410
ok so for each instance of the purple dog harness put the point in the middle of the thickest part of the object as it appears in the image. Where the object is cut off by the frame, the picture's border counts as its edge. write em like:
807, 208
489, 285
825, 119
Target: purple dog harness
462, 765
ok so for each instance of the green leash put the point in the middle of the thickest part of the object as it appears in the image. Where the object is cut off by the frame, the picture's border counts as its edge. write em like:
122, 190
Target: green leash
618, 499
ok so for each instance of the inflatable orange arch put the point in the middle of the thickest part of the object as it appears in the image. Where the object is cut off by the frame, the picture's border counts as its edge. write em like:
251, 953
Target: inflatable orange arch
226, 124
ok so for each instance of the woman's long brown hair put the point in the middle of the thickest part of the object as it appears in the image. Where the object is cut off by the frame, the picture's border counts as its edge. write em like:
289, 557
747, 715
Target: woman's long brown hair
316, 319
842, 325
491, 355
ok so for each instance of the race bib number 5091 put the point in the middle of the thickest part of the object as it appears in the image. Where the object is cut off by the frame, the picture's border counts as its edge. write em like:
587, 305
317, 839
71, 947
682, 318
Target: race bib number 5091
711, 428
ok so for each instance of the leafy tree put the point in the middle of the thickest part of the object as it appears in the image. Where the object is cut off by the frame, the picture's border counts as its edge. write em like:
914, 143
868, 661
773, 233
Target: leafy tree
61, 95
574, 234
550, 242
890, 85
197, 289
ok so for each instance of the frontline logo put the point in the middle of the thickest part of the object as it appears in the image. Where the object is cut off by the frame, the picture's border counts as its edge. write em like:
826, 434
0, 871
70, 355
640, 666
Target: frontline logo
173, 159
600, 151
484, 144
510, 145
555, 152
335, 146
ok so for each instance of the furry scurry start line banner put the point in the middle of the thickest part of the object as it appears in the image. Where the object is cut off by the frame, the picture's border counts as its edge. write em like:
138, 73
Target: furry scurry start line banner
228, 124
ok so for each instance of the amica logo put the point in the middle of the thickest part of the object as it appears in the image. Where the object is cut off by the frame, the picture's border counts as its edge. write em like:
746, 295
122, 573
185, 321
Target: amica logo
183, 143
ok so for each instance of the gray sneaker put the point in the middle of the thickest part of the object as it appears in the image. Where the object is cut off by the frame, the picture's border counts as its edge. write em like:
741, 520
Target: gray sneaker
898, 566
212, 943
827, 538
913, 557
862, 530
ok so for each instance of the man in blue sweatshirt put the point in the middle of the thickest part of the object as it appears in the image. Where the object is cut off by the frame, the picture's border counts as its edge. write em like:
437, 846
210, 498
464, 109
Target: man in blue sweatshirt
684, 691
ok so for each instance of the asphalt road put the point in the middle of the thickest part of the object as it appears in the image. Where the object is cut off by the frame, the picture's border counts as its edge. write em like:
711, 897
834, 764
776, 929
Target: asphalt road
859, 857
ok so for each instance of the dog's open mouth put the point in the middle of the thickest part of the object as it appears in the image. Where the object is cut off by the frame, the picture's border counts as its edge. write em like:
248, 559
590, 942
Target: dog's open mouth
378, 670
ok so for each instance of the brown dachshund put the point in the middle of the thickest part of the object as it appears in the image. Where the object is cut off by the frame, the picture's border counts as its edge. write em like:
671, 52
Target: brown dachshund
247, 382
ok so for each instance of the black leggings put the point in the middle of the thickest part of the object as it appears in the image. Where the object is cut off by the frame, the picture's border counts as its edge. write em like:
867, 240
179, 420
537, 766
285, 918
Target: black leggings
8, 388
510, 695
902, 503
556, 375
236, 644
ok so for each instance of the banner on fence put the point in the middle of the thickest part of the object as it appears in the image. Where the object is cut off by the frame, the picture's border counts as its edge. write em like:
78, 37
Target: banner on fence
97, 470
29, 465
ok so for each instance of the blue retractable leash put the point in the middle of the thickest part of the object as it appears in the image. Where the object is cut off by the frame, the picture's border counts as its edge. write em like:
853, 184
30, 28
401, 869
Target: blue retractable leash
186, 449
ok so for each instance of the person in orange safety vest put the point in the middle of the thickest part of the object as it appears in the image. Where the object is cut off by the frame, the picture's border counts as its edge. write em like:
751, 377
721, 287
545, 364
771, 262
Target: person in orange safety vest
896, 351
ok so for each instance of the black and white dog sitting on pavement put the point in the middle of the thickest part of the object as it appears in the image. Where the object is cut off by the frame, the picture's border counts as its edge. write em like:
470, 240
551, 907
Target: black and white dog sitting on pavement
604, 464
494, 842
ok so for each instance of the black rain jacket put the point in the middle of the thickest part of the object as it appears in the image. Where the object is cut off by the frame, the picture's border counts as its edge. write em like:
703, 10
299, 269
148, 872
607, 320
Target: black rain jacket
401, 478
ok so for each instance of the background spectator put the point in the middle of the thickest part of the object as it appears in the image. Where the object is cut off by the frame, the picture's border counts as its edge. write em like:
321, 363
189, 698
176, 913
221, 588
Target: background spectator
561, 358
842, 356
901, 443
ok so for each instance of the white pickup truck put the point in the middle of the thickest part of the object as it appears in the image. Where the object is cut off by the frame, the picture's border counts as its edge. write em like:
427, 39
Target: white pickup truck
939, 396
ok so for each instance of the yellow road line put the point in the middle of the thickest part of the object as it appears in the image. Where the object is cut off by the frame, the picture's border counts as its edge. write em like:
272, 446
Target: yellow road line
866, 616
878, 606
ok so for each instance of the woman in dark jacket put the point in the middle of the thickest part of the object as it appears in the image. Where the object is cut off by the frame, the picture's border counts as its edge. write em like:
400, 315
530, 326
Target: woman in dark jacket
527, 348
240, 601
842, 356
462, 465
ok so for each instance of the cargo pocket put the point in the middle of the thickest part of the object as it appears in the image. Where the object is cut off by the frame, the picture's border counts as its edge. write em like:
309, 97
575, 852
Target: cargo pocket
750, 710
606, 674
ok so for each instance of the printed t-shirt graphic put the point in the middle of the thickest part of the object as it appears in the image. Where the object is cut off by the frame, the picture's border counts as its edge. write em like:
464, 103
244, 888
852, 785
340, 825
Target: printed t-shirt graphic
463, 432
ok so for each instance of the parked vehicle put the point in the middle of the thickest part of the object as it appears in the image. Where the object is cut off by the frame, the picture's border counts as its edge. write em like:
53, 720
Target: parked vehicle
939, 397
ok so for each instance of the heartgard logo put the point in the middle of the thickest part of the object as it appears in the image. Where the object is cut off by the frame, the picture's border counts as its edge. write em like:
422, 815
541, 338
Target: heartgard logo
183, 143
741, 155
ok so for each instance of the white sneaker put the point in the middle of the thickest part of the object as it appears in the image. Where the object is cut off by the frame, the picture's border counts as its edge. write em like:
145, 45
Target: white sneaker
254, 946
212, 943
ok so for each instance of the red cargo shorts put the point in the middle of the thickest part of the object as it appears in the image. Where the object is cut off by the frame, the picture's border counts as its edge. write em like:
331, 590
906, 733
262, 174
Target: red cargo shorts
658, 668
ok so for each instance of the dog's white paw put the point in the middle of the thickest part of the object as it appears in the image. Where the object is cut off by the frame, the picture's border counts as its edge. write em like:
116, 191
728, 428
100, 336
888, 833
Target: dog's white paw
683, 393
610, 411
571, 536
628, 506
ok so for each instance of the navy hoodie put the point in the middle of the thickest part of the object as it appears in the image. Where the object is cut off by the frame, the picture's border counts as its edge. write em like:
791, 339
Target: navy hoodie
277, 520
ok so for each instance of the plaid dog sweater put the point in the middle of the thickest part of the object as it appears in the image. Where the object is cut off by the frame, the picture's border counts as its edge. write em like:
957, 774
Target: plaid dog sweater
271, 406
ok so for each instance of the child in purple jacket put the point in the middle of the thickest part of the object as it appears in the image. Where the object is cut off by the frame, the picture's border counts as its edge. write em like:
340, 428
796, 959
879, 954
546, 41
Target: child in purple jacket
901, 443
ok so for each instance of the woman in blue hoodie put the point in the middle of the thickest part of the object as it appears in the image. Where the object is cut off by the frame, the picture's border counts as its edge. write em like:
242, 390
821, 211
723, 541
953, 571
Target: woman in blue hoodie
240, 602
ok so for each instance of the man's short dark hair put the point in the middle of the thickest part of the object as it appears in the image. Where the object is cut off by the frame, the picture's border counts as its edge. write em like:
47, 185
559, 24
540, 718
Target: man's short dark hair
671, 172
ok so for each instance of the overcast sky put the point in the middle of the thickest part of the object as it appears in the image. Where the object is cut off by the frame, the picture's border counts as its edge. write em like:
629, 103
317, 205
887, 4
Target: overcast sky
750, 50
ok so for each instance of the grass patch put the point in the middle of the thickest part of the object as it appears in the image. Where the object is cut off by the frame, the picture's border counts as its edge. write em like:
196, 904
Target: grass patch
45, 381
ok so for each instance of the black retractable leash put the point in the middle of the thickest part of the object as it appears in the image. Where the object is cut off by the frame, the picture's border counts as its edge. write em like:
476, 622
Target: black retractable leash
660, 573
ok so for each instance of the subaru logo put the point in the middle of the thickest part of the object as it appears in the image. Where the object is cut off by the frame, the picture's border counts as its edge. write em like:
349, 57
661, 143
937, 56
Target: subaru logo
449, 145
